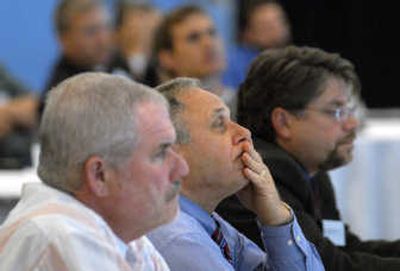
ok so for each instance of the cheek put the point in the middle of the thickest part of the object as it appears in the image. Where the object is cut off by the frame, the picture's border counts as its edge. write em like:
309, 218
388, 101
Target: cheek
158, 181
327, 134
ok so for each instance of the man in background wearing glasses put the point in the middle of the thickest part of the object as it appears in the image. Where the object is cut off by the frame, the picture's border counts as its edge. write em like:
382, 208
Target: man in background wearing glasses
300, 105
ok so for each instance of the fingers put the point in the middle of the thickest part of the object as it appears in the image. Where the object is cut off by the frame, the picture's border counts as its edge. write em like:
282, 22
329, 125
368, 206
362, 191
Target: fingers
254, 162
249, 148
256, 172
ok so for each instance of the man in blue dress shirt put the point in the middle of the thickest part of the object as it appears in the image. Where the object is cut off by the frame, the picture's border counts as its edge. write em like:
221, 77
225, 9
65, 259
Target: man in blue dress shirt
223, 162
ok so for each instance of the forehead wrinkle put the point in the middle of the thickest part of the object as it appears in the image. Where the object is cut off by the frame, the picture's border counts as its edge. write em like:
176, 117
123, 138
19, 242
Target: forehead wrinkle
165, 135
148, 128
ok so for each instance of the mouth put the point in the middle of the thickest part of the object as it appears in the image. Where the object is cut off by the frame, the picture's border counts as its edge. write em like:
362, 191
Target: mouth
213, 56
348, 140
238, 160
172, 194
176, 184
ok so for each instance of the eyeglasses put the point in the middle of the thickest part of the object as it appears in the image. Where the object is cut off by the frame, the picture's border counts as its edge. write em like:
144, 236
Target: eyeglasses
340, 114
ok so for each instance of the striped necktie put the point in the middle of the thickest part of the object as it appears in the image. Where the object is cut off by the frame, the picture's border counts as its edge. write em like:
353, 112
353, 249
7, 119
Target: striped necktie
218, 237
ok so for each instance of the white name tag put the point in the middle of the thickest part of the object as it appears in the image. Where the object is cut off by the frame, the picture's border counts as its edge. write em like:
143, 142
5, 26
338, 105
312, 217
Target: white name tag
334, 230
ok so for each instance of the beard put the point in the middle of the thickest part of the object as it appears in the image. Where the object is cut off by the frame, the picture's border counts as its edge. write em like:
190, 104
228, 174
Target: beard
336, 158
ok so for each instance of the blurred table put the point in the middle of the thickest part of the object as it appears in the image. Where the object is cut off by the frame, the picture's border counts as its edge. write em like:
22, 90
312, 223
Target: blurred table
11, 181
368, 188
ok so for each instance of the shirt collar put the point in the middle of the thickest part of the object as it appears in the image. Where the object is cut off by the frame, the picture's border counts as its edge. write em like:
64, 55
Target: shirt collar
198, 213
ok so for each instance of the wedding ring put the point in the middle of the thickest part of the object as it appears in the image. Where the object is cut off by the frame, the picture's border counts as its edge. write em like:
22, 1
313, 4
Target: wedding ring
263, 173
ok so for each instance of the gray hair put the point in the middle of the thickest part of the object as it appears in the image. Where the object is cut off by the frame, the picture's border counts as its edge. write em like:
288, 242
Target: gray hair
85, 115
172, 90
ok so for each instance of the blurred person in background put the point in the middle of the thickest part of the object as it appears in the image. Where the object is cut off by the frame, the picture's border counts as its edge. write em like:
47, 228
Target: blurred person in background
84, 32
262, 24
18, 114
135, 25
187, 45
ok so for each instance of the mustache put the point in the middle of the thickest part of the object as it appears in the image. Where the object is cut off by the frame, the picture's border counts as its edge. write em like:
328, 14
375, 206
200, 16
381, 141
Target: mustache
176, 185
348, 138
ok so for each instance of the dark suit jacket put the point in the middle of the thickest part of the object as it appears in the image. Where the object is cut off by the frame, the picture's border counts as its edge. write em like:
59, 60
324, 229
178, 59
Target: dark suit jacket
295, 188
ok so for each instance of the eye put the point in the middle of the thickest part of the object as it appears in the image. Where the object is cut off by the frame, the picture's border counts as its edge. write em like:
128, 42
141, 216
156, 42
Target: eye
193, 37
162, 152
219, 123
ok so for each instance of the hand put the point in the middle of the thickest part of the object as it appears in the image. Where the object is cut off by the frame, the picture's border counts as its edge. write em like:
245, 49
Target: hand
261, 195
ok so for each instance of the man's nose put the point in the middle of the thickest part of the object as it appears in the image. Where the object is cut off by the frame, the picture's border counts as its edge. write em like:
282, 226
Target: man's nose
241, 134
180, 167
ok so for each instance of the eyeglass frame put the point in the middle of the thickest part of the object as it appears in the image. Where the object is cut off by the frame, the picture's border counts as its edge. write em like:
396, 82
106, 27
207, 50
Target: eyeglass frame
340, 114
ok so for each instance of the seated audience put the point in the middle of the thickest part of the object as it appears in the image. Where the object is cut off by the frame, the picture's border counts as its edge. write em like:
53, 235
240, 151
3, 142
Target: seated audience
109, 176
223, 162
300, 105
17, 122
135, 25
84, 33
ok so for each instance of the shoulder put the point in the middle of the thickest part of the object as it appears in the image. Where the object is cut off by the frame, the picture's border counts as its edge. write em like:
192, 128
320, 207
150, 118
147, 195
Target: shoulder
183, 229
279, 161
63, 223
186, 245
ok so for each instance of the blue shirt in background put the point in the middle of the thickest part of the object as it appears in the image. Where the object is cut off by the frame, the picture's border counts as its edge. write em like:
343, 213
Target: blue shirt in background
239, 60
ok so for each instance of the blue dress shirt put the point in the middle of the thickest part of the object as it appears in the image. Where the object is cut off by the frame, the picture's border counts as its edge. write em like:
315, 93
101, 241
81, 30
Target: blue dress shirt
186, 244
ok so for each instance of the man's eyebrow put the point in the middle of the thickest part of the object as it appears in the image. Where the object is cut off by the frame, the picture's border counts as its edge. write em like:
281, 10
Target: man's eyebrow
219, 111
164, 146
337, 103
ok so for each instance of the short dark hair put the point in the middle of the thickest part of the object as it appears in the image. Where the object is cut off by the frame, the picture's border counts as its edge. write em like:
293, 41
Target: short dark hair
163, 38
290, 78
67, 8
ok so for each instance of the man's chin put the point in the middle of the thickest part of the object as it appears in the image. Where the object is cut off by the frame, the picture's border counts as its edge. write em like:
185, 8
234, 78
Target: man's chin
335, 162
242, 183
171, 211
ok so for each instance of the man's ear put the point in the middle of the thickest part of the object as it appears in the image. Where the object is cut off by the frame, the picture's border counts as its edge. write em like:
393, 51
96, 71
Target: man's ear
94, 176
281, 122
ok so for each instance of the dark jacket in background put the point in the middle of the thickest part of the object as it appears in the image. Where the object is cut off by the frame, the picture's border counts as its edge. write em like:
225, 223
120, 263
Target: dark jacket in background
312, 200
62, 70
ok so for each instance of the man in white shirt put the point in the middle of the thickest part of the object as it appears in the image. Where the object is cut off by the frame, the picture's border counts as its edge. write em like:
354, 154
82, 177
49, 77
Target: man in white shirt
109, 176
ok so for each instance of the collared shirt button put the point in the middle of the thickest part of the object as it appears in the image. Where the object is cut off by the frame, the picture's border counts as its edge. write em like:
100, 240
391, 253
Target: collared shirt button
290, 242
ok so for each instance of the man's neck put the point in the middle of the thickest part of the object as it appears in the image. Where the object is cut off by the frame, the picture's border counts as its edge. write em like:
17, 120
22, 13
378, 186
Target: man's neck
202, 198
308, 169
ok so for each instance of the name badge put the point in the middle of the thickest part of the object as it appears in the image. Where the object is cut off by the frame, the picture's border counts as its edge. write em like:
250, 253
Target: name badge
334, 230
